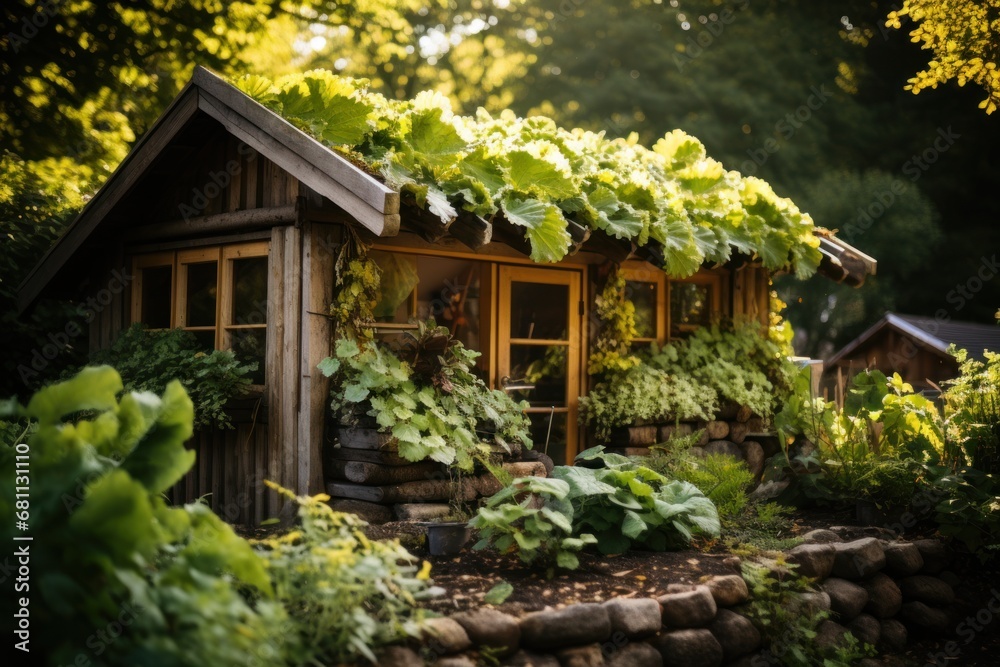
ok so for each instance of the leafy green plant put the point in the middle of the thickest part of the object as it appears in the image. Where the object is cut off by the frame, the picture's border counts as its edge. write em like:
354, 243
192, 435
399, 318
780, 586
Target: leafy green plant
533, 517
724, 479
188, 590
540, 175
788, 624
972, 412
441, 411
612, 350
149, 360
628, 505
358, 279
347, 595
971, 511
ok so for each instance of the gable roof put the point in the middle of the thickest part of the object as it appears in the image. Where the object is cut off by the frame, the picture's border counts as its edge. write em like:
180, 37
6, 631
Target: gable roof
366, 199
937, 336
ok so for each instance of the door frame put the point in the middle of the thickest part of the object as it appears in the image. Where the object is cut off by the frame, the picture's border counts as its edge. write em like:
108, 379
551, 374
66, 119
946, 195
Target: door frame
574, 279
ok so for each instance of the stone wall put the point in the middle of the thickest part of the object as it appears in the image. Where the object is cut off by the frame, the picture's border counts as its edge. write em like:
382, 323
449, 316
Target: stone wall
882, 591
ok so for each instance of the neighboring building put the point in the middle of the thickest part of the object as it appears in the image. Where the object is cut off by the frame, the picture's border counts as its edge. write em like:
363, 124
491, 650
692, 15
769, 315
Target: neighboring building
228, 220
915, 347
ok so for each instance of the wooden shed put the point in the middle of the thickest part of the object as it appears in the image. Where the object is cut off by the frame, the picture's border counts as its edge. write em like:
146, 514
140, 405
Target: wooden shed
916, 347
225, 220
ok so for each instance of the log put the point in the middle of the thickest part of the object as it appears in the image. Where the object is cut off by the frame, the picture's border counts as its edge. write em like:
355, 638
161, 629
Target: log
386, 458
634, 436
471, 230
738, 432
255, 218
756, 425
375, 475
744, 414
468, 488
717, 430
370, 512
366, 438
670, 431
421, 511
728, 411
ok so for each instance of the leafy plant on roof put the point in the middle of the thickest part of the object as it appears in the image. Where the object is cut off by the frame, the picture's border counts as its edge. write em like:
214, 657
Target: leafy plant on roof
539, 175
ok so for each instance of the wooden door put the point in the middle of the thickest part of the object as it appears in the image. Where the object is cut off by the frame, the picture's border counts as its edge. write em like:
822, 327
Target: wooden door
539, 351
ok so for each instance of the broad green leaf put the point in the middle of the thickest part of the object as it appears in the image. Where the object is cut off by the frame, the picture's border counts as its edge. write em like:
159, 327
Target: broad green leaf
544, 175
329, 366
117, 518
545, 224
633, 526
499, 593
433, 139
160, 458
93, 388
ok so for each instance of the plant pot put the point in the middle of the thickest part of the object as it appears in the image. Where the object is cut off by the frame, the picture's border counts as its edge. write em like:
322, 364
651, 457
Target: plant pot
447, 539
868, 513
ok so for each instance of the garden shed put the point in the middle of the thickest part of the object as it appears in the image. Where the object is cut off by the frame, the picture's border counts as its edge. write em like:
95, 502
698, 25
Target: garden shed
226, 220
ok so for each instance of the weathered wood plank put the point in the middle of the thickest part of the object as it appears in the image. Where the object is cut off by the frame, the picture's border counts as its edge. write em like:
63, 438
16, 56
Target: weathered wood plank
366, 438
275, 360
374, 474
468, 488
290, 375
255, 218
385, 458
472, 230
420, 511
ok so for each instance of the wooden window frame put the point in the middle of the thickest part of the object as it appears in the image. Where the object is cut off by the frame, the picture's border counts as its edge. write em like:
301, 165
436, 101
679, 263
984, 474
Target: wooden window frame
710, 279
643, 272
178, 260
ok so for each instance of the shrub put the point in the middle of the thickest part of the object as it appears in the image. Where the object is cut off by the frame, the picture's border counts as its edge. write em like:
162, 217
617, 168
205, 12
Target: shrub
972, 410
724, 479
110, 548
347, 595
149, 360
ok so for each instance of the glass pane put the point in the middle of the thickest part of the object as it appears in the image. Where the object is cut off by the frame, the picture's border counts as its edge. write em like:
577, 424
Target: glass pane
556, 437
643, 296
538, 310
206, 339
399, 277
690, 304
250, 345
202, 286
542, 369
156, 287
250, 290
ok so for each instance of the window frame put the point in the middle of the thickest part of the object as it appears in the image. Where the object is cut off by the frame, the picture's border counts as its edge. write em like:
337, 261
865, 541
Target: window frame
178, 260
643, 272
710, 279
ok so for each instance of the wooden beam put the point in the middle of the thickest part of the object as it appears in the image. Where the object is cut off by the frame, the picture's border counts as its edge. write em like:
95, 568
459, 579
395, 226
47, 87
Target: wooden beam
255, 218
425, 223
472, 230
579, 233
617, 250
510, 235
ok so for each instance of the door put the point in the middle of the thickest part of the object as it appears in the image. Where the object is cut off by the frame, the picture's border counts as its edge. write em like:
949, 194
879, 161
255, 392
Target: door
538, 351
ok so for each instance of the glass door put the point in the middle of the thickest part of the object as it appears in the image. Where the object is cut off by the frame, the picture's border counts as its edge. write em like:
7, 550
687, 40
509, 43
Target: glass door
538, 351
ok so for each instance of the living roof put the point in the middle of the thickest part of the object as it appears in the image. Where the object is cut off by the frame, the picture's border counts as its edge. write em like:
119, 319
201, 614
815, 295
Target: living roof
931, 334
554, 188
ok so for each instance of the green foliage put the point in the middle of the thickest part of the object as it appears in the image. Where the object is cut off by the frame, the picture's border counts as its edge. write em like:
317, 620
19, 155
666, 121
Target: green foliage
972, 412
149, 360
533, 517
499, 593
724, 479
970, 512
690, 378
540, 175
612, 350
787, 622
187, 588
358, 279
345, 594
433, 413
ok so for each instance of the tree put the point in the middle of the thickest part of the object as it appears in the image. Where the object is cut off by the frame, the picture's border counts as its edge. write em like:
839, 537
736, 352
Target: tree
963, 37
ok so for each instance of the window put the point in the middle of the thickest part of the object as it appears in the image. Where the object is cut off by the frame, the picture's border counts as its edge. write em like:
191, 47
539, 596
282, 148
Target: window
670, 308
219, 294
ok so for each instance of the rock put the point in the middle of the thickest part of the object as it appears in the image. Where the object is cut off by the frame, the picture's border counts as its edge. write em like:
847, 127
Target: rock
634, 654
937, 556
541, 457
770, 489
581, 656
455, 661
858, 559
846, 599
445, 635
736, 634
821, 536
689, 609
753, 454
829, 634
717, 430
866, 628
575, 625
814, 560
723, 447
924, 588
728, 590
491, 628
950, 578
892, 638
884, 596
399, 656
689, 648
421, 511
813, 602
902, 558
921, 617
634, 617
528, 659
